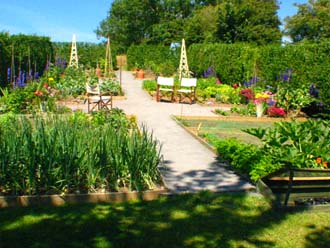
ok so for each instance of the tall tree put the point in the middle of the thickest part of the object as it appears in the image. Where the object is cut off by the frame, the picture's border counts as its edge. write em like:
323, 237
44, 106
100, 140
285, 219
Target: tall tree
132, 22
253, 21
202, 26
172, 17
128, 22
312, 21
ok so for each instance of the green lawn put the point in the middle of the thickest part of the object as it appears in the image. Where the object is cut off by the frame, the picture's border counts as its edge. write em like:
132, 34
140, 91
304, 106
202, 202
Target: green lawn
200, 220
224, 129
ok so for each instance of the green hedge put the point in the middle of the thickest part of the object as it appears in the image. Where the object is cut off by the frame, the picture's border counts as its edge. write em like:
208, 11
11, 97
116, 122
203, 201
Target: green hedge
160, 59
237, 63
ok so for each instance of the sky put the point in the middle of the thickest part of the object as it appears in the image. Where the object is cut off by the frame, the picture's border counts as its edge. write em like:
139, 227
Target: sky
60, 19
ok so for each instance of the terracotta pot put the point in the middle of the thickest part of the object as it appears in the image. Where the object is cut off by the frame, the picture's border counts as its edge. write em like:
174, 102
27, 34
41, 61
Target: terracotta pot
140, 74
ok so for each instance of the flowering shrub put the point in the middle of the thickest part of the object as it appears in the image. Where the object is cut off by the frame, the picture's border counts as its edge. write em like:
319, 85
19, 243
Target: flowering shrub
45, 97
247, 94
275, 112
321, 162
261, 97
252, 82
292, 96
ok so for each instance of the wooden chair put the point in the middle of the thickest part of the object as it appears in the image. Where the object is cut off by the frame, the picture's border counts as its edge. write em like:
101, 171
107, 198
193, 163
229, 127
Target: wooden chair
96, 99
188, 89
165, 84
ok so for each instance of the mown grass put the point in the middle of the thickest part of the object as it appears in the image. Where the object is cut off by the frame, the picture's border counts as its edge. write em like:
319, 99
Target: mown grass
224, 129
196, 220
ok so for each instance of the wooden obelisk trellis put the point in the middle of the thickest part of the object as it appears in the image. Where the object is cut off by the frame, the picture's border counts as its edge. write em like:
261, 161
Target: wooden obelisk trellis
108, 68
183, 67
74, 53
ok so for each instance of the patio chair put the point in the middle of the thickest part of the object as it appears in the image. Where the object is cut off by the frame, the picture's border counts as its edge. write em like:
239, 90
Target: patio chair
188, 89
96, 99
165, 84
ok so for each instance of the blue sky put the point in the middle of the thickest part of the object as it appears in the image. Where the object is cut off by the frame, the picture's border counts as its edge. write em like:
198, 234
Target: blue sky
60, 19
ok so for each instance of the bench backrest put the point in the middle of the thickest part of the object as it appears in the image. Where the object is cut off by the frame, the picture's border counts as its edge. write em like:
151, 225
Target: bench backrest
188, 82
168, 81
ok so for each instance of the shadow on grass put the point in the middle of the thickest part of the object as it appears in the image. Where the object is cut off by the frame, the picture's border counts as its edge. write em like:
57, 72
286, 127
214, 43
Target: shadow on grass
188, 220
318, 237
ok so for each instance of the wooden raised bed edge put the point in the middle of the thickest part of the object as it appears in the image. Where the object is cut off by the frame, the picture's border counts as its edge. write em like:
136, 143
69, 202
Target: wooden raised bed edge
58, 200
271, 197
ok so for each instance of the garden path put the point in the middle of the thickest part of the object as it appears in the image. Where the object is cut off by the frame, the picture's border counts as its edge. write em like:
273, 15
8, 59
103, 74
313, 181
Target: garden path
188, 166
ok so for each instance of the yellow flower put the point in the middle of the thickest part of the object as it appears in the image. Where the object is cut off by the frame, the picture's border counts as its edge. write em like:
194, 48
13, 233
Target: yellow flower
262, 95
50, 79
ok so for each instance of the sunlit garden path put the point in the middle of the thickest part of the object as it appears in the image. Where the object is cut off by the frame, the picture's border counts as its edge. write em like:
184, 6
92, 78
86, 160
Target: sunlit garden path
188, 165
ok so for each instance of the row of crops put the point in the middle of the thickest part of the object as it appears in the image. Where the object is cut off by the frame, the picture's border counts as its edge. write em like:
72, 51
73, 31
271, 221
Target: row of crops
75, 153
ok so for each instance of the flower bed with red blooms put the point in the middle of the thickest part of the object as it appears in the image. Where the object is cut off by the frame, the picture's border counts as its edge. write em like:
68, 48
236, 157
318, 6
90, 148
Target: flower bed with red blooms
248, 94
275, 112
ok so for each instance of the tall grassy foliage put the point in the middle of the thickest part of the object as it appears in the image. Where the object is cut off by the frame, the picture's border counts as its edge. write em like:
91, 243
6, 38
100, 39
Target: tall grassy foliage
66, 154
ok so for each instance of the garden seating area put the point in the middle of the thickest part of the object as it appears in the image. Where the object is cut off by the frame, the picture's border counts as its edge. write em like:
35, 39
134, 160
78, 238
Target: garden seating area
97, 100
165, 84
185, 89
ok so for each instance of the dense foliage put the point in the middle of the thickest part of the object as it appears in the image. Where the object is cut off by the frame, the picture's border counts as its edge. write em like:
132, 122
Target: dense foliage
312, 22
286, 145
89, 54
134, 22
25, 58
158, 58
25, 55
241, 63
54, 154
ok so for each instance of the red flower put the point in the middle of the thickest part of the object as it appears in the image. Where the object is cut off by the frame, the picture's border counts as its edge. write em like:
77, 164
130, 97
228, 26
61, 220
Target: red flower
247, 93
38, 93
275, 112
319, 160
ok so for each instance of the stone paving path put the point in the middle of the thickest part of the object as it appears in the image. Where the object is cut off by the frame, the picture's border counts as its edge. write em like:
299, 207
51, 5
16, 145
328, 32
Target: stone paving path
188, 166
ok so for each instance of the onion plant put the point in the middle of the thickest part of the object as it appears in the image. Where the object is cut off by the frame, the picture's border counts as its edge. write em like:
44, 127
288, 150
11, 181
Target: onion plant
57, 154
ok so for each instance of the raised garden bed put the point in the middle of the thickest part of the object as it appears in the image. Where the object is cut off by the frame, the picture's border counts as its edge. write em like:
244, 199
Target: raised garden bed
297, 188
58, 200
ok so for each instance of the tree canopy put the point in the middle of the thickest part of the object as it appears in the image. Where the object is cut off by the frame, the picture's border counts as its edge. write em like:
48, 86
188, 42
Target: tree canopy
311, 23
134, 22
